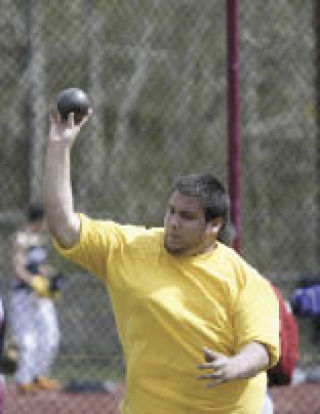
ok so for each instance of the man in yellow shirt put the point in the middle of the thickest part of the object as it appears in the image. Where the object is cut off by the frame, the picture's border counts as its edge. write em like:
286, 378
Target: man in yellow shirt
198, 325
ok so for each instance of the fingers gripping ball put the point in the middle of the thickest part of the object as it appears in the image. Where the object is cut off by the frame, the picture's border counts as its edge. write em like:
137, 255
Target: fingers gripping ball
73, 100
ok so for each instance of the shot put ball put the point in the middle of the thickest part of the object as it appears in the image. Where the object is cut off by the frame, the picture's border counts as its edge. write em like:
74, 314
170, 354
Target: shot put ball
73, 100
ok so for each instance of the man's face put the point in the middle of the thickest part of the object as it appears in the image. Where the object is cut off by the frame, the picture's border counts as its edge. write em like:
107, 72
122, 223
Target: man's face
185, 228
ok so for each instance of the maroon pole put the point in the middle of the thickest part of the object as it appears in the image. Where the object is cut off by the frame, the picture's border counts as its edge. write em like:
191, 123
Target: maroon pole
316, 15
234, 136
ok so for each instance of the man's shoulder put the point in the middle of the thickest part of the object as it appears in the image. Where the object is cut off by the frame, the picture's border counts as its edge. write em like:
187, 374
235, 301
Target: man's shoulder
136, 241
236, 263
139, 234
124, 233
130, 228
227, 253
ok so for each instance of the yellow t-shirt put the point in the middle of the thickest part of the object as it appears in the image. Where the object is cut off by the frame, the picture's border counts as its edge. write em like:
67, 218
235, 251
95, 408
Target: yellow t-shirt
167, 308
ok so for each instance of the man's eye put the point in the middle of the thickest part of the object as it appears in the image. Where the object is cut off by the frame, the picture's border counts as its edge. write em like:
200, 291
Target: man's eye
187, 216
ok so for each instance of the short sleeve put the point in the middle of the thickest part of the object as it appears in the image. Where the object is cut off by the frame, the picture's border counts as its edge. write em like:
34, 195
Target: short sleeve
256, 316
98, 240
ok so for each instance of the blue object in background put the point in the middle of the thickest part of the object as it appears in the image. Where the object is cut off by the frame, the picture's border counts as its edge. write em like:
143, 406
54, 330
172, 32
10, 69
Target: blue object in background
306, 301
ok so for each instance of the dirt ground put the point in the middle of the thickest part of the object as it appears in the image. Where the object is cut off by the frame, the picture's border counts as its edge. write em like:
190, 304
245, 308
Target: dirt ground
299, 399
62, 402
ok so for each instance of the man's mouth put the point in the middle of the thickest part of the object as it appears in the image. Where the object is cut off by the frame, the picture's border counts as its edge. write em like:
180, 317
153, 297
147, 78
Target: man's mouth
173, 236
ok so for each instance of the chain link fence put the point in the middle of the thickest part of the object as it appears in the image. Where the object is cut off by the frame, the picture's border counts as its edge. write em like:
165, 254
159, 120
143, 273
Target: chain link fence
155, 72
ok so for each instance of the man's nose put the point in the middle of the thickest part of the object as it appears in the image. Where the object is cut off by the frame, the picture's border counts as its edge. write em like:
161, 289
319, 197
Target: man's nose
174, 221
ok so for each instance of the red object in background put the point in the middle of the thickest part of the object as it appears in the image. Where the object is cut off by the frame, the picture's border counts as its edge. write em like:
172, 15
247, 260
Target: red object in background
282, 373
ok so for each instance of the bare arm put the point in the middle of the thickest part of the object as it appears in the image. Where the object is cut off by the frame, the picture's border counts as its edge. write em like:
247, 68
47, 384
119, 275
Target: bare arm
63, 223
252, 359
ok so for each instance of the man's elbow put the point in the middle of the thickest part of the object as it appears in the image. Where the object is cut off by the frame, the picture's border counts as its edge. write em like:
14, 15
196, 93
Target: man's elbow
66, 232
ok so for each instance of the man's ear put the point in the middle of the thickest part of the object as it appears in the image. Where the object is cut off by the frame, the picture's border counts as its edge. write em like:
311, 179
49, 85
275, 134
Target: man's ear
214, 226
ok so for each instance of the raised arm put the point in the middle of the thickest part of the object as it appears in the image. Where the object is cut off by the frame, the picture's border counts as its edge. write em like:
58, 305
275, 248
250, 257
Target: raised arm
63, 223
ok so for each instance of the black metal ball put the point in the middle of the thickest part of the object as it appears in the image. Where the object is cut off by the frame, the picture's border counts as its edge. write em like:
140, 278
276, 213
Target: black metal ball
73, 100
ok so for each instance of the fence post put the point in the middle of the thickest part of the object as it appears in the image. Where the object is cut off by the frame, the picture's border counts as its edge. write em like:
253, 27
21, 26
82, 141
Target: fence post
233, 113
316, 15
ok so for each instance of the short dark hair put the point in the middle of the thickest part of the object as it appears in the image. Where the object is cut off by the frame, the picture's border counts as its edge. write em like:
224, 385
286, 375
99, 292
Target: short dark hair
35, 212
210, 192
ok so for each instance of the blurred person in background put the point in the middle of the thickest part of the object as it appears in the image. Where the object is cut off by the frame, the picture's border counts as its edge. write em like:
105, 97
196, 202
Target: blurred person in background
199, 326
32, 314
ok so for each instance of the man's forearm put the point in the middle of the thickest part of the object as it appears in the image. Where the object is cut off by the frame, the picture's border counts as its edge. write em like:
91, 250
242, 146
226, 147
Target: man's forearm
251, 360
58, 200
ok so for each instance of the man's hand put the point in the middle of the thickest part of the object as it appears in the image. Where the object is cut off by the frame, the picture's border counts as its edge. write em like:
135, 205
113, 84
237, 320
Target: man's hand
252, 359
219, 367
65, 131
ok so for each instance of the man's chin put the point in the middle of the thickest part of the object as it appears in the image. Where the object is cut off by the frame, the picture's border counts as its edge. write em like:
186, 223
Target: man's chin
175, 250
